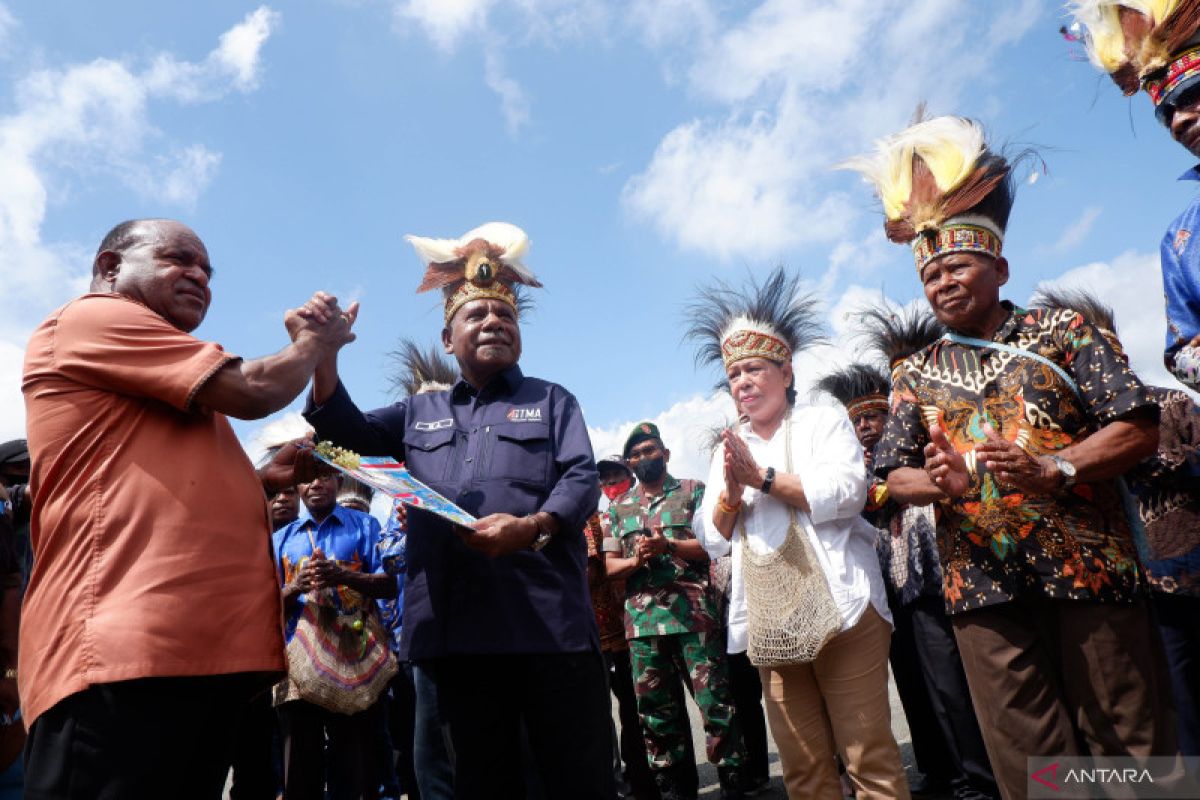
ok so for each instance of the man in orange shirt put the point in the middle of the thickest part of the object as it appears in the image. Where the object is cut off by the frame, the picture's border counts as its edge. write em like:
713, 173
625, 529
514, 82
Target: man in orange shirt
152, 613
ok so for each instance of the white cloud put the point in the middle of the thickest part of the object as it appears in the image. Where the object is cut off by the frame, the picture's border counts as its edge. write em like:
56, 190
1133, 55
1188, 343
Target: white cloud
65, 119
1132, 285
444, 21
1076, 232
513, 102
234, 63
755, 181
684, 427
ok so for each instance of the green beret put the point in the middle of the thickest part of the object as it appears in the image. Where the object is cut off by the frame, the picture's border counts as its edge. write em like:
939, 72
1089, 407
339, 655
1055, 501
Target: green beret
641, 432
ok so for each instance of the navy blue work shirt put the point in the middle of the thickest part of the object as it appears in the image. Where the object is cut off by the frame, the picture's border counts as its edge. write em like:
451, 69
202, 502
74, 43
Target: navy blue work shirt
517, 447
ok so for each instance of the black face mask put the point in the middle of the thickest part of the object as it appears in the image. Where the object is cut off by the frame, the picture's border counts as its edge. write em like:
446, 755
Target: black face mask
650, 470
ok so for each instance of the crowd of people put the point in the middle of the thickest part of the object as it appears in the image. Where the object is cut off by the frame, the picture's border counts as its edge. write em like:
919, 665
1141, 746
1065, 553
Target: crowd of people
996, 506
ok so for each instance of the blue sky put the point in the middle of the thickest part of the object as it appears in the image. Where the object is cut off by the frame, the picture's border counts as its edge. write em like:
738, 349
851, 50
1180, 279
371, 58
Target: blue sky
645, 146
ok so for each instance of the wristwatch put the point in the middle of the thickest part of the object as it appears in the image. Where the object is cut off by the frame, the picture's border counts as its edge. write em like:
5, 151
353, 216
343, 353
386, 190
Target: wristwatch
543, 534
768, 481
1066, 469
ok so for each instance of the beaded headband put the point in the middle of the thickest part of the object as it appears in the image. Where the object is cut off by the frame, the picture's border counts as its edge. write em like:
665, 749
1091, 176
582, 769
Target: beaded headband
468, 291
870, 402
742, 343
954, 238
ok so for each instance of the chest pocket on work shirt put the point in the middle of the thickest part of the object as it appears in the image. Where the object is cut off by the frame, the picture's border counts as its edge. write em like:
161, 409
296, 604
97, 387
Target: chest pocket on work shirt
428, 453
519, 451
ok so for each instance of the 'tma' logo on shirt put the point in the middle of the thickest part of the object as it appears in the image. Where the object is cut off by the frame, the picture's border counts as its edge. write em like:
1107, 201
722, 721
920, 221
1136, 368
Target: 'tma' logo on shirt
524, 415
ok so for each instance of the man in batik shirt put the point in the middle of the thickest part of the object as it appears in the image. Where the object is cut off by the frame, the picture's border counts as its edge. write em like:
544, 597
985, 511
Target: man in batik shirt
1017, 424
670, 620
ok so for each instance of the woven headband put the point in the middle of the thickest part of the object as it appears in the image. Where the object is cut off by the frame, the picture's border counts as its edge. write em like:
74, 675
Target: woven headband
870, 402
954, 238
468, 291
748, 343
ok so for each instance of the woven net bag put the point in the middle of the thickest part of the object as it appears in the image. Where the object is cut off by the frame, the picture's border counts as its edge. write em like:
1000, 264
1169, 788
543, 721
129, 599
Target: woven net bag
790, 611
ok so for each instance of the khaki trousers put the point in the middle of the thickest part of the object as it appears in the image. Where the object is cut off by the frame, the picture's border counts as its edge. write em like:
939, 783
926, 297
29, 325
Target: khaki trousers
1064, 678
838, 703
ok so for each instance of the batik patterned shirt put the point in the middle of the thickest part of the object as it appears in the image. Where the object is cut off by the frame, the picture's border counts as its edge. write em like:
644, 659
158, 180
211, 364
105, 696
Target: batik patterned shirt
997, 543
608, 594
667, 594
1168, 489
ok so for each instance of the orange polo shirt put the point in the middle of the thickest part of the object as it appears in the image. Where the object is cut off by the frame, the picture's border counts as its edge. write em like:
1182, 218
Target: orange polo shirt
150, 532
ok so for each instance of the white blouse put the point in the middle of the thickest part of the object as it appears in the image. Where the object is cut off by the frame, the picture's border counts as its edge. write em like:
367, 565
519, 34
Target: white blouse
828, 459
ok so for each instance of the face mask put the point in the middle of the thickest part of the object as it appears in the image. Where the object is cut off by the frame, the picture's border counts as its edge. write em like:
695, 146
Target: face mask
617, 489
649, 470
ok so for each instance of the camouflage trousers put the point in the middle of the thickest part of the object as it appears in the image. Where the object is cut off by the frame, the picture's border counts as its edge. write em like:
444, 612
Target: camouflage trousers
658, 662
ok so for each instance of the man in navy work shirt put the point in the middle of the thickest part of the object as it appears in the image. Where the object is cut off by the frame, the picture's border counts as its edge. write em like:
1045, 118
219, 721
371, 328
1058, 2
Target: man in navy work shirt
499, 614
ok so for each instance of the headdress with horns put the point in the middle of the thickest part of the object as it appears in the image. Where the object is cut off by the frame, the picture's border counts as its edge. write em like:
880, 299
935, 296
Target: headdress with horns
1148, 44
770, 320
942, 189
483, 263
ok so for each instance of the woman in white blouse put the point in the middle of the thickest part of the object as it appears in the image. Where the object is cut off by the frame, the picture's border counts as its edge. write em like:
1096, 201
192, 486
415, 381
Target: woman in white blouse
807, 600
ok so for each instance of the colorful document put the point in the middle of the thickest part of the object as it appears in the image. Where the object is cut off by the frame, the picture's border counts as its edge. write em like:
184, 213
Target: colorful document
390, 477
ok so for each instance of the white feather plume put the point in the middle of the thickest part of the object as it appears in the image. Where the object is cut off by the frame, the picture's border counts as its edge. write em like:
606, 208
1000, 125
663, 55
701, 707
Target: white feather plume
509, 238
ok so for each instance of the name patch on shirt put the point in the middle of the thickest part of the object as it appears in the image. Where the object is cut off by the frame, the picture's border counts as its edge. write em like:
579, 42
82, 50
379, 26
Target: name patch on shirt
436, 425
524, 415
1181, 240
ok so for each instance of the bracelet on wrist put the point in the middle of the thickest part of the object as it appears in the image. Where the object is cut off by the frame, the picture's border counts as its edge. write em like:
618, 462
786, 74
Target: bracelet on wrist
726, 507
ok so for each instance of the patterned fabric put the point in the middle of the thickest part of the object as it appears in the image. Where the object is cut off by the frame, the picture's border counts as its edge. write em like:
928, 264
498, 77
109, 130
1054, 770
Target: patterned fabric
656, 661
1184, 67
907, 546
996, 543
1180, 261
393, 559
1168, 490
954, 239
666, 594
608, 595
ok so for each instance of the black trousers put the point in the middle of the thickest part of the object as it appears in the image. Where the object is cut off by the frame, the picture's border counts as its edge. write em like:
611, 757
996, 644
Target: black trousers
930, 750
352, 755
1178, 619
147, 738
950, 696
562, 699
254, 775
747, 697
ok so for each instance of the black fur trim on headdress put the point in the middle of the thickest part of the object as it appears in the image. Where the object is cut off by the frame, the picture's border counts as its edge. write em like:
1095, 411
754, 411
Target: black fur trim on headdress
415, 368
853, 382
897, 334
776, 301
1080, 300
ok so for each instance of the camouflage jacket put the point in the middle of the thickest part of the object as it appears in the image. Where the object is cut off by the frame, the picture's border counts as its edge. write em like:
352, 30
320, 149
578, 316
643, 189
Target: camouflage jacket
666, 594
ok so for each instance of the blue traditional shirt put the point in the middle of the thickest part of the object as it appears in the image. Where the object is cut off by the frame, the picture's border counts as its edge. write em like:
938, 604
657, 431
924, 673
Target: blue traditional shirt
1180, 258
518, 446
347, 536
393, 556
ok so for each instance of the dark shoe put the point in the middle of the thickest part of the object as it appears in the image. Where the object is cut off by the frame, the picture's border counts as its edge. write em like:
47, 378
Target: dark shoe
731, 783
668, 787
925, 787
757, 785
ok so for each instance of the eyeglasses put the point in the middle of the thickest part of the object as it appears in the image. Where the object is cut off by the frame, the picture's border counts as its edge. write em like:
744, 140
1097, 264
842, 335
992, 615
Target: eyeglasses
1164, 112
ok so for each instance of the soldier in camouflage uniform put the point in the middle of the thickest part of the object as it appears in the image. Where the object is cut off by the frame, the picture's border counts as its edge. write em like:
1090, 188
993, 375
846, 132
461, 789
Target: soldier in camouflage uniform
670, 619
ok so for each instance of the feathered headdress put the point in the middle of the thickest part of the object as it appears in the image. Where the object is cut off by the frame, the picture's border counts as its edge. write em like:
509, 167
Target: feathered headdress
896, 335
419, 371
942, 189
1087, 305
483, 263
859, 387
770, 320
1148, 44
